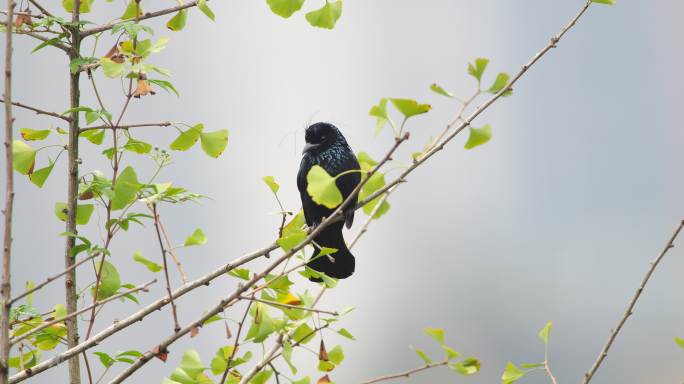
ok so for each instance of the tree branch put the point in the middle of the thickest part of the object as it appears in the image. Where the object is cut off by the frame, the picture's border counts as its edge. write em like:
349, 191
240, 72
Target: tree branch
136, 317
39, 111
5, 286
127, 126
52, 278
630, 308
148, 15
283, 305
100, 303
407, 373
176, 326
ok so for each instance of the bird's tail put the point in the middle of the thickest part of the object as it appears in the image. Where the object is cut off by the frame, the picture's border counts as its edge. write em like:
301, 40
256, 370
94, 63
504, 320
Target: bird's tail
338, 265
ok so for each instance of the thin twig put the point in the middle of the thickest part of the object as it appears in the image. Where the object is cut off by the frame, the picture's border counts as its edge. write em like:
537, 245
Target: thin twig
40, 111
407, 373
148, 15
176, 325
52, 278
5, 286
236, 343
127, 126
40, 7
630, 308
138, 316
277, 304
100, 303
184, 276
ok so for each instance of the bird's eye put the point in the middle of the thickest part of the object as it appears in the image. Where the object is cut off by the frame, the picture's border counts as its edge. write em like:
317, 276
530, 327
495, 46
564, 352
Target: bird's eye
322, 138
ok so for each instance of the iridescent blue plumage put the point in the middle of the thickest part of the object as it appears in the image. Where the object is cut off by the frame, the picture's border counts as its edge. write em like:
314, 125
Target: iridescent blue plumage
326, 147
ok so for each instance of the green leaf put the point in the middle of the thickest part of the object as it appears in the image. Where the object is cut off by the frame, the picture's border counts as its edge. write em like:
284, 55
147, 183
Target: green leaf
68, 5
177, 22
197, 238
285, 8
608, 2
344, 332
137, 146
322, 187
478, 136
291, 239
59, 311
500, 82
336, 355
450, 352
304, 380
39, 176
437, 89
422, 355
327, 16
376, 182
23, 157
214, 143
29, 134
240, 273
187, 139
545, 332
476, 70
129, 13
106, 360
303, 334
110, 281
111, 68
365, 161
202, 5
270, 181
469, 366
530, 366
83, 212
165, 85
436, 333
151, 266
261, 377
679, 342
511, 374
125, 189
380, 113
191, 363
95, 136
409, 107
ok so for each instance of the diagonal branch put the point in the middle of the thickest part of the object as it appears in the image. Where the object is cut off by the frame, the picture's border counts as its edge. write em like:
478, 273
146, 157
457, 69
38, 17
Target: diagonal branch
40, 111
52, 278
148, 15
100, 303
630, 308
406, 374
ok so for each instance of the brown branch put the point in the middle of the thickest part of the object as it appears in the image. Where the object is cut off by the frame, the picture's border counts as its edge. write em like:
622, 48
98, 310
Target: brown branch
630, 308
71, 295
39, 111
40, 7
184, 276
176, 325
52, 278
407, 373
5, 286
127, 126
100, 303
137, 316
283, 305
236, 344
148, 15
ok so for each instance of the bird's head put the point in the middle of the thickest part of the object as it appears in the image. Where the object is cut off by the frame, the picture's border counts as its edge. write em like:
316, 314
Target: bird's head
321, 136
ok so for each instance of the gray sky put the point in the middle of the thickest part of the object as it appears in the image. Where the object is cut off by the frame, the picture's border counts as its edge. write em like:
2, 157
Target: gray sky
555, 219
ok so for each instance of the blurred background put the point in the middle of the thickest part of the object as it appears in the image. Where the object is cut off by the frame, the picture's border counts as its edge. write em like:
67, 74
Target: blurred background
555, 219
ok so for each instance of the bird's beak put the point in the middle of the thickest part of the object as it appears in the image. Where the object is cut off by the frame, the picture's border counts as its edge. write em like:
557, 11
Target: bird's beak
308, 147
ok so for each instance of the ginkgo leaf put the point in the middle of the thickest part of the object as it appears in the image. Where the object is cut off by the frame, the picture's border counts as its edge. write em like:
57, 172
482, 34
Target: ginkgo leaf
322, 188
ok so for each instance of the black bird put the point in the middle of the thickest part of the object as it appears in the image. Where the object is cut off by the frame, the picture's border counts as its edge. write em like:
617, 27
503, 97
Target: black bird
326, 147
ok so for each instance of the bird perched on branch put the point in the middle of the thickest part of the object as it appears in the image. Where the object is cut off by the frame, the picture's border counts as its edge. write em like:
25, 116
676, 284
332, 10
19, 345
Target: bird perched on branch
326, 147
